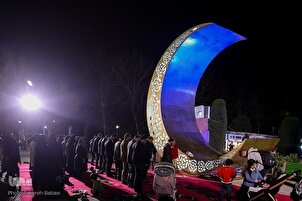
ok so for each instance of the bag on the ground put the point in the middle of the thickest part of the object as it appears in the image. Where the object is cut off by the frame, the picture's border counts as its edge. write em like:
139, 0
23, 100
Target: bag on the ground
268, 160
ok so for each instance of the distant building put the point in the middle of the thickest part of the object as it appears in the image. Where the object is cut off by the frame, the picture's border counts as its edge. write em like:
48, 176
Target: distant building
202, 112
236, 138
202, 115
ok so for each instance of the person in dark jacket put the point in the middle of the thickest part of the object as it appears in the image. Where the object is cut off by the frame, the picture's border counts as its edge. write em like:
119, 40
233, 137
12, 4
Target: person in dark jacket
124, 143
90, 149
141, 160
131, 170
101, 150
117, 159
150, 144
167, 153
109, 150
95, 150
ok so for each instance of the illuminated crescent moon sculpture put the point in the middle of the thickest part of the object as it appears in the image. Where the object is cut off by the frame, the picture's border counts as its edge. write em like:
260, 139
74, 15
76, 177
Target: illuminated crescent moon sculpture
172, 91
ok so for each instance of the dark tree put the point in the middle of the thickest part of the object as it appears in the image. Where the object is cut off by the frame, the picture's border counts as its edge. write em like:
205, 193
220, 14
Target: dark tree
102, 82
218, 124
241, 123
290, 135
133, 72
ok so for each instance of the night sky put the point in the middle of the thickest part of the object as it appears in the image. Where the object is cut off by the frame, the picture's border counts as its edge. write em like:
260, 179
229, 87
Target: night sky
54, 40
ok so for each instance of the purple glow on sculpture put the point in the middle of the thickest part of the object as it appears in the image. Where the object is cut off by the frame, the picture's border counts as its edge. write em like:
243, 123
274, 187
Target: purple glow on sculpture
180, 84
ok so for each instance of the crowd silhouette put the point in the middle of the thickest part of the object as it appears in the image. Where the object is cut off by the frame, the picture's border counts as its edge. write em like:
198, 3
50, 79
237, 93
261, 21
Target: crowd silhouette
53, 159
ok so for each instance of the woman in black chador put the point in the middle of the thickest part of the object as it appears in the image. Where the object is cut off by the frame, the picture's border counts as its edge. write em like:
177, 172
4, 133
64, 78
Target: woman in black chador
70, 153
80, 159
167, 153
11, 158
55, 164
40, 178
11, 155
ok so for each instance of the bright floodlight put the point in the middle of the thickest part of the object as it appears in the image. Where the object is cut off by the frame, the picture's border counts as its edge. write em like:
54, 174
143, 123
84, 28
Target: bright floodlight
29, 83
30, 102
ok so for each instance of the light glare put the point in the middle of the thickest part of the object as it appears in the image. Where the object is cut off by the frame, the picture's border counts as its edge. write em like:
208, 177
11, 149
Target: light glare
30, 102
29, 83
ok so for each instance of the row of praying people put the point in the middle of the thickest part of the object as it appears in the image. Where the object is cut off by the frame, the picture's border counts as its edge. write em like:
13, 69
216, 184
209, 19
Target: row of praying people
131, 156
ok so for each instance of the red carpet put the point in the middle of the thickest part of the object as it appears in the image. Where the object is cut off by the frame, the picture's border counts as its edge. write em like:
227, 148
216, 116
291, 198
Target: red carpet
27, 193
188, 187
201, 189
197, 186
111, 188
26, 188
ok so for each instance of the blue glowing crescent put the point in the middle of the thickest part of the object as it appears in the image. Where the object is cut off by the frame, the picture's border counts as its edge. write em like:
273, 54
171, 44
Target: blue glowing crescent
172, 91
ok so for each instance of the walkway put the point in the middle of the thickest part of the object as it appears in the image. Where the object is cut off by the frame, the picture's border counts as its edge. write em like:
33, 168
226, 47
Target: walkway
188, 188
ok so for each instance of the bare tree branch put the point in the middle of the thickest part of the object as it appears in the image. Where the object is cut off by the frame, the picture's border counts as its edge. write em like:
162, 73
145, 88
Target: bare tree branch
133, 71
99, 71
